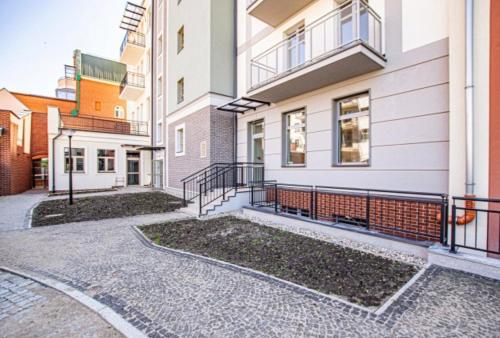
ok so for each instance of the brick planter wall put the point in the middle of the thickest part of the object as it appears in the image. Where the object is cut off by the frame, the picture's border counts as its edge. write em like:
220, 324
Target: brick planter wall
416, 220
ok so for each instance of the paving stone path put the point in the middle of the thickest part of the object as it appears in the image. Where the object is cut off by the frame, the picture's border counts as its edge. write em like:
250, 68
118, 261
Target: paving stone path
164, 293
29, 309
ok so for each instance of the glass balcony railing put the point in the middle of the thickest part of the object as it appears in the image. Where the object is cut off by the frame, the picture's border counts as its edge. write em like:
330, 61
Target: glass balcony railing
353, 23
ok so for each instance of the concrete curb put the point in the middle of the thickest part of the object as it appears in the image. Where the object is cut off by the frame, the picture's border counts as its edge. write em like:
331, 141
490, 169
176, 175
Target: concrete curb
290, 285
106, 313
28, 219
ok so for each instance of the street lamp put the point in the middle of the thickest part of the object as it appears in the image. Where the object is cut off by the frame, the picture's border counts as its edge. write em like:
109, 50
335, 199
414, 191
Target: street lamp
70, 133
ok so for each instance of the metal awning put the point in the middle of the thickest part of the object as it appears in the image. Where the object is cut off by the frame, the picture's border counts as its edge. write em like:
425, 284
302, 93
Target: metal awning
151, 148
132, 16
241, 105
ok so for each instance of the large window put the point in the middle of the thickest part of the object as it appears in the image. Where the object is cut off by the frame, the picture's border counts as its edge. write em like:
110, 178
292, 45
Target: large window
296, 46
78, 159
180, 39
180, 140
295, 138
352, 119
180, 90
105, 160
159, 132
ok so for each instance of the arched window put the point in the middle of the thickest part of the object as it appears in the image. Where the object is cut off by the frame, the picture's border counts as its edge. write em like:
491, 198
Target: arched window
119, 112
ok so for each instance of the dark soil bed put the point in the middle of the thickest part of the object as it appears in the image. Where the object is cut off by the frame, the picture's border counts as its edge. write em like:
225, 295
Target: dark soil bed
102, 207
359, 277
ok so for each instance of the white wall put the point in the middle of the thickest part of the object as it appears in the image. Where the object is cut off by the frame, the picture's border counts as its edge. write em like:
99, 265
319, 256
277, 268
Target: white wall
91, 142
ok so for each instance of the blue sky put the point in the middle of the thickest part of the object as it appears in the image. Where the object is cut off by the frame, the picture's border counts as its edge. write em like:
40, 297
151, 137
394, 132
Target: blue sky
37, 37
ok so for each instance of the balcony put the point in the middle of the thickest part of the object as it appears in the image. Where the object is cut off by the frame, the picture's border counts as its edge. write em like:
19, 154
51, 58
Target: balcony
344, 43
132, 86
132, 47
274, 12
103, 125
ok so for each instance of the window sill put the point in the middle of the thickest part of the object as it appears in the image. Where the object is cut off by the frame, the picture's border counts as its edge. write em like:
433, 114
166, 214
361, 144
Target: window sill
293, 165
179, 154
354, 165
106, 172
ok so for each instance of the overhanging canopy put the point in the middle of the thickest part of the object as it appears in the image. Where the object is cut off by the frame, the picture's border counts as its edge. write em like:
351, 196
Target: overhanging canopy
132, 16
241, 105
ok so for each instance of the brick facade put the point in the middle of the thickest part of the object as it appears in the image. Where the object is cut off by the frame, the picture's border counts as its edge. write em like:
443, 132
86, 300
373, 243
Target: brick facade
39, 135
411, 219
106, 94
15, 165
209, 125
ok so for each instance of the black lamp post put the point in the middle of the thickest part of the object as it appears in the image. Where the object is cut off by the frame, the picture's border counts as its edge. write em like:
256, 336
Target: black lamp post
70, 133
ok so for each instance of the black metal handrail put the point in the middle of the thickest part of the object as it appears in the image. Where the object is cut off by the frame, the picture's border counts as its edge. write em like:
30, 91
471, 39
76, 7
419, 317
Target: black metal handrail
132, 79
103, 125
481, 231
135, 38
228, 179
408, 214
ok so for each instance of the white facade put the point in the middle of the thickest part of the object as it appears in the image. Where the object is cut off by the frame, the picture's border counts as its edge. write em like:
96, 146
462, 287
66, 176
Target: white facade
86, 174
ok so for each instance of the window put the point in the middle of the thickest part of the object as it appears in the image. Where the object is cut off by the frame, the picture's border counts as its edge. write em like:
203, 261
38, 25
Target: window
105, 161
180, 138
159, 132
78, 159
97, 105
160, 86
295, 138
180, 90
180, 39
352, 124
119, 112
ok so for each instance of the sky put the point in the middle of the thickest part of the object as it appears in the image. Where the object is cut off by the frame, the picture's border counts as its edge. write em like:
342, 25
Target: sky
37, 38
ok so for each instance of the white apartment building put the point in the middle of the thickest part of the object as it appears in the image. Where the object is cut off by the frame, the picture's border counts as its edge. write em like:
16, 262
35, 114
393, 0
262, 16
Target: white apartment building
348, 98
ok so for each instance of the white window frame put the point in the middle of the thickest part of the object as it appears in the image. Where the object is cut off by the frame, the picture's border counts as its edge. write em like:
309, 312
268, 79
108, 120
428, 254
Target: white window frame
119, 112
177, 151
73, 159
106, 158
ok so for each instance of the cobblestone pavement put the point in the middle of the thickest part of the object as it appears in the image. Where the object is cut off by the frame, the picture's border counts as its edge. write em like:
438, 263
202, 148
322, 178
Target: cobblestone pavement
14, 209
165, 293
29, 309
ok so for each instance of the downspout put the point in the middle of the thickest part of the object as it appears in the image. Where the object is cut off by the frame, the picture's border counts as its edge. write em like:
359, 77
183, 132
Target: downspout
152, 88
54, 160
469, 214
235, 76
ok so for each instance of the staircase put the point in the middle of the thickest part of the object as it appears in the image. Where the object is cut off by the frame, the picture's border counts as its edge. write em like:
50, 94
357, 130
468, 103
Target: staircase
211, 188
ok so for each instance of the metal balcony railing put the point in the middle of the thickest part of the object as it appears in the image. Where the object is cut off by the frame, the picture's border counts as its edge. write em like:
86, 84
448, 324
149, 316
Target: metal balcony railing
352, 23
132, 79
103, 125
134, 38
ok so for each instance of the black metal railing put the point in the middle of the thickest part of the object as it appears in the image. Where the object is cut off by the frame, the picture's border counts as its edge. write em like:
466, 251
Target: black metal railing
134, 38
132, 79
219, 181
103, 125
407, 214
478, 226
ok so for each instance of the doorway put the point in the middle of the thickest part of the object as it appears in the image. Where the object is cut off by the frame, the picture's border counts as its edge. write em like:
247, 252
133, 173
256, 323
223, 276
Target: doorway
40, 173
256, 148
133, 168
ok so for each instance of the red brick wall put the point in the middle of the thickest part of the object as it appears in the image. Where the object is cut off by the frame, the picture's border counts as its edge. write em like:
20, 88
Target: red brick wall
39, 136
494, 172
417, 220
15, 166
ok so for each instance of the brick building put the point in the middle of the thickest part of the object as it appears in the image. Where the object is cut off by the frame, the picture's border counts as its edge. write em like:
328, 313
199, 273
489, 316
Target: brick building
15, 161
